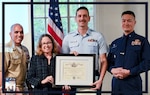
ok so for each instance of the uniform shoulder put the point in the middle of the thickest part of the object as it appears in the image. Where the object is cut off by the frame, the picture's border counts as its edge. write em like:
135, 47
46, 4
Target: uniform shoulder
140, 36
24, 48
116, 40
8, 49
70, 34
95, 32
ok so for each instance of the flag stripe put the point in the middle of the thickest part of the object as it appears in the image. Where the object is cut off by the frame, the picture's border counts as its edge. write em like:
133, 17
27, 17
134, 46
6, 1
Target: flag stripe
54, 23
56, 29
55, 36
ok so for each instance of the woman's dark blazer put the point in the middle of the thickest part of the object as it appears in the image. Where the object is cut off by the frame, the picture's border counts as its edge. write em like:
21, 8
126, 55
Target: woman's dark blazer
38, 71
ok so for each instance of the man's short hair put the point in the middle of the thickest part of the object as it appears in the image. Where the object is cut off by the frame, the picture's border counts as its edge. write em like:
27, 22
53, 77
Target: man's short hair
82, 8
12, 27
128, 12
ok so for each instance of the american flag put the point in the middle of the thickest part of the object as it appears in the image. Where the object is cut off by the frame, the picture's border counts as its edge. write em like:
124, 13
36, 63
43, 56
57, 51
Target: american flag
55, 26
54, 23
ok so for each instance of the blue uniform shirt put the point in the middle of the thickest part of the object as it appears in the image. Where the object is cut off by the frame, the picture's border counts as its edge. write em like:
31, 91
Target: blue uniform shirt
91, 43
135, 56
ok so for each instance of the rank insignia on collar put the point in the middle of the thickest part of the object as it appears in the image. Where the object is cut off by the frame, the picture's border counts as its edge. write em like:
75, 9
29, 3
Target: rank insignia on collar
136, 42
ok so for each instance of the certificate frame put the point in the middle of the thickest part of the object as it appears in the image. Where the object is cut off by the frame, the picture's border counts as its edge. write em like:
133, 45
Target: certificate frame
76, 71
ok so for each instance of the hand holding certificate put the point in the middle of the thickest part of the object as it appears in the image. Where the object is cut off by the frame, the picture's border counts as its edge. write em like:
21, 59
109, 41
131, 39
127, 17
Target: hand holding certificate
75, 70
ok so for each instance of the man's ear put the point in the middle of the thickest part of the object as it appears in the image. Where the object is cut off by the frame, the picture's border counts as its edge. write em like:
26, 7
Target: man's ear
89, 18
10, 33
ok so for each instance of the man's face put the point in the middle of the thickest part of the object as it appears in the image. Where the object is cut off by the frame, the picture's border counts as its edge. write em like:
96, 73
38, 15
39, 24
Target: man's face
128, 23
82, 18
17, 35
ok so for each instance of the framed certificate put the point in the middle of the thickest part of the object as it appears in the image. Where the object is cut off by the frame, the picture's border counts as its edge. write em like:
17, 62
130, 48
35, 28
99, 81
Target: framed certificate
74, 70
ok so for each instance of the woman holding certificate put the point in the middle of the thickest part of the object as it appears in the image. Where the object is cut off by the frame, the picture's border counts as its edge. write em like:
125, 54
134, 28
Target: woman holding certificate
42, 67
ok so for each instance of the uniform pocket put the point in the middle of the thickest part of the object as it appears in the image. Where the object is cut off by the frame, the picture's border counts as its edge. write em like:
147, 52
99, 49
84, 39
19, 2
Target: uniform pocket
71, 45
14, 63
113, 50
92, 44
93, 47
135, 48
16, 59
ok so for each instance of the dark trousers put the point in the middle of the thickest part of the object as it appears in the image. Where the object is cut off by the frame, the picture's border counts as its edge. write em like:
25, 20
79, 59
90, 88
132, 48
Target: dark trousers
128, 86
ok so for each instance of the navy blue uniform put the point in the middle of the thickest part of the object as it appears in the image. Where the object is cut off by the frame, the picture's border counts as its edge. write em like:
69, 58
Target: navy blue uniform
134, 55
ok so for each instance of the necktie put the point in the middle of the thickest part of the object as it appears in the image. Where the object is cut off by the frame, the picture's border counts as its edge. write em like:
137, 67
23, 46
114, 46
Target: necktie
123, 49
123, 45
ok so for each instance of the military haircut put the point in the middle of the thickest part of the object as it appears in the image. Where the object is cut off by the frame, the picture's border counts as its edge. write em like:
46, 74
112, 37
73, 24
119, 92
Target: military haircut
82, 8
128, 12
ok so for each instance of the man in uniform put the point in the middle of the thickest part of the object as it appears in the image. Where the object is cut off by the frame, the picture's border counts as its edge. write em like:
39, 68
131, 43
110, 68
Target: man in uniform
87, 41
16, 57
129, 56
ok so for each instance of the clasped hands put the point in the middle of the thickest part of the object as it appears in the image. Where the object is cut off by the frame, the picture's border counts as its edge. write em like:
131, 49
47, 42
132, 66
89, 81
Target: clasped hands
49, 79
120, 73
